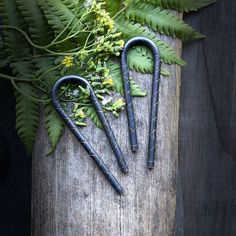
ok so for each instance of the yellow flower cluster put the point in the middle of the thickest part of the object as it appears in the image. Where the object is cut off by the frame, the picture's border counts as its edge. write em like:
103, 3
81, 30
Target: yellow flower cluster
119, 104
108, 82
105, 19
81, 114
121, 43
68, 61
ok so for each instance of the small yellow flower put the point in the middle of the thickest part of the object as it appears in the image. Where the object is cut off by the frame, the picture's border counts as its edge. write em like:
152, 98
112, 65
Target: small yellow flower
108, 82
68, 61
121, 43
118, 105
81, 114
110, 24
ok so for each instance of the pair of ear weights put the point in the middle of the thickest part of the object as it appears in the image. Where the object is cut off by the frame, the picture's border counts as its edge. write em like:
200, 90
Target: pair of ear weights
129, 110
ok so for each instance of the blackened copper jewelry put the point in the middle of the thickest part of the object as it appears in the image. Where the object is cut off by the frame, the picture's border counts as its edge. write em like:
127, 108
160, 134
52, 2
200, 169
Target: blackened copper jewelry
74, 129
154, 99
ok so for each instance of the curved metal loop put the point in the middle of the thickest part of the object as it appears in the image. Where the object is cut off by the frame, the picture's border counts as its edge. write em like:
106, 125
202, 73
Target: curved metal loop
72, 126
154, 99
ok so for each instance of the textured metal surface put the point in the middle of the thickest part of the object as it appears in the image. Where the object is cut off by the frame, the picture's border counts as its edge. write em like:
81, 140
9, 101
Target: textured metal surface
72, 126
154, 99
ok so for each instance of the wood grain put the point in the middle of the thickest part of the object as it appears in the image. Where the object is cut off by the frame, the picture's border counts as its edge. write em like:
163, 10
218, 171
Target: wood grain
71, 197
207, 150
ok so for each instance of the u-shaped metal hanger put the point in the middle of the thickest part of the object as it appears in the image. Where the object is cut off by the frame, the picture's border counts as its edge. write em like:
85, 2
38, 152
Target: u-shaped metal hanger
154, 99
72, 126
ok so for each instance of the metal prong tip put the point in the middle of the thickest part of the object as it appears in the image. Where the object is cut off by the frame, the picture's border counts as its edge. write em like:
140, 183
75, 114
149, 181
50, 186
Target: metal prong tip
134, 148
120, 190
150, 165
125, 169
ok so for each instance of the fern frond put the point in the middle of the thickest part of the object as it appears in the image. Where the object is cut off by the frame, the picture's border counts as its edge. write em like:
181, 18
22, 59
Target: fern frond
45, 68
54, 15
113, 6
59, 15
27, 116
4, 60
54, 125
115, 73
73, 5
37, 24
162, 21
131, 29
14, 43
139, 61
182, 5
92, 114
27, 113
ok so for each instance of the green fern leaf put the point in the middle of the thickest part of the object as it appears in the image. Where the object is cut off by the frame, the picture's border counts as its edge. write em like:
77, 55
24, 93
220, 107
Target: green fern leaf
115, 73
46, 68
139, 61
37, 24
27, 113
162, 21
59, 15
72, 5
56, 15
54, 124
14, 43
92, 114
26, 116
131, 29
4, 60
182, 5
113, 6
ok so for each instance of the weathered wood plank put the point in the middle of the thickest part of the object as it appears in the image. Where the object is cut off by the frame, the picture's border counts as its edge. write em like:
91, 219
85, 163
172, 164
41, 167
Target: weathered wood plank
207, 127
71, 197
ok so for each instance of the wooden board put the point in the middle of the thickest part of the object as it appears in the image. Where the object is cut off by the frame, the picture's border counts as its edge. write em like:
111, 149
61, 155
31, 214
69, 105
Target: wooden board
71, 197
207, 139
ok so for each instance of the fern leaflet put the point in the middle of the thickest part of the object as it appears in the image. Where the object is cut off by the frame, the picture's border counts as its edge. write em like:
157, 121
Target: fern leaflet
131, 29
182, 5
54, 124
92, 114
27, 113
11, 16
115, 73
37, 24
162, 21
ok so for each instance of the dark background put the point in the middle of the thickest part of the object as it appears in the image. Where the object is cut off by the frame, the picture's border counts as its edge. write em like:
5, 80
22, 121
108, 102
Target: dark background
206, 198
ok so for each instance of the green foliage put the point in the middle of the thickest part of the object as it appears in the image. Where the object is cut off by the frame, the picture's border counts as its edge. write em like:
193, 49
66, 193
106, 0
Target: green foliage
92, 114
4, 61
113, 7
161, 20
131, 29
27, 116
182, 5
73, 5
118, 82
36, 21
27, 113
15, 45
54, 125
42, 40
56, 20
139, 60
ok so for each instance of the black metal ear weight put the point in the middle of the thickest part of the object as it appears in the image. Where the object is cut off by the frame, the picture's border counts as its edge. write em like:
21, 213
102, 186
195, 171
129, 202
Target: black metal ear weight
154, 98
72, 126
130, 113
